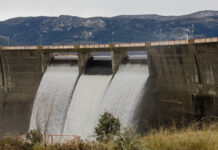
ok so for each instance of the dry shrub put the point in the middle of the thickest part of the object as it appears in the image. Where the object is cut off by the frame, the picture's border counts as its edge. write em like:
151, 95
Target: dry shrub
14, 143
35, 137
127, 140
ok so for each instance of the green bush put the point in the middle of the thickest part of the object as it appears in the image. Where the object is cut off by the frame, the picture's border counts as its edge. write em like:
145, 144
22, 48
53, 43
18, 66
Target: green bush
107, 127
35, 137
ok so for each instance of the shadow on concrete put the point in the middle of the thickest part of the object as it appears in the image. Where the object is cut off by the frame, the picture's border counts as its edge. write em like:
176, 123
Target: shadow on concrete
98, 66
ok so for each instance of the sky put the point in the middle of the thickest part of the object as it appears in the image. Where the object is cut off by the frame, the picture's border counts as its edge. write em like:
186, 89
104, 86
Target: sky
106, 8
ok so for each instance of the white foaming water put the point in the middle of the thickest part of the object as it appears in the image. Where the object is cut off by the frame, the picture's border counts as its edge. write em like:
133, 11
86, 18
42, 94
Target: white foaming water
125, 92
83, 111
53, 98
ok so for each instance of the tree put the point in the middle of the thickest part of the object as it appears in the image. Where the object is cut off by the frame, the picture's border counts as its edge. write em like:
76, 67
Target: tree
107, 126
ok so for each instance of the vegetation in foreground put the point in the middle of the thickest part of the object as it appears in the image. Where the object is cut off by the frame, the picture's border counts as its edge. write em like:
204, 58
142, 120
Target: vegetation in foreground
194, 137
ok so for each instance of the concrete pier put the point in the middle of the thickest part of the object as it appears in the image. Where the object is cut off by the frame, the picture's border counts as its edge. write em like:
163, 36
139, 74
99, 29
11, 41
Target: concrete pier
83, 57
117, 57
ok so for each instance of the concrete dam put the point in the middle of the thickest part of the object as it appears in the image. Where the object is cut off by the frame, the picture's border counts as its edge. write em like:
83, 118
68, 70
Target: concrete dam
64, 89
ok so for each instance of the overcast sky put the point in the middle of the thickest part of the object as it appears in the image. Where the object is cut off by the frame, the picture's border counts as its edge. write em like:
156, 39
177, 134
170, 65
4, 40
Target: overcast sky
90, 8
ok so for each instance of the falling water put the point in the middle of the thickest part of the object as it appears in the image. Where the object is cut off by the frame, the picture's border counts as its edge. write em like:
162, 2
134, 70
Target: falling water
82, 114
126, 90
54, 95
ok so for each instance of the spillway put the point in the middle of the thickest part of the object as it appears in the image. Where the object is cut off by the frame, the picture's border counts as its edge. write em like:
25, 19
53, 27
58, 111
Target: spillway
126, 90
54, 95
68, 105
83, 110
96, 93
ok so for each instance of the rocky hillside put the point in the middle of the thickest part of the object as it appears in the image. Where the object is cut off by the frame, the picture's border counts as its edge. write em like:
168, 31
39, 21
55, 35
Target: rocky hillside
134, 28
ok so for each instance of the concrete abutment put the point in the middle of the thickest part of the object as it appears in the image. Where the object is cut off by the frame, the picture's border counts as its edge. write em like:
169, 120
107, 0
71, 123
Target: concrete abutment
184, 78
21, 73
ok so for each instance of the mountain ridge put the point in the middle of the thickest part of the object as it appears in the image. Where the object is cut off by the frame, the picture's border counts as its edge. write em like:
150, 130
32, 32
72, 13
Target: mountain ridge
67, 29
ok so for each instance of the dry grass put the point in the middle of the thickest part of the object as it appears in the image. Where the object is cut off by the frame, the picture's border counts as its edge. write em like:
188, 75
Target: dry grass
189, 138
75, 145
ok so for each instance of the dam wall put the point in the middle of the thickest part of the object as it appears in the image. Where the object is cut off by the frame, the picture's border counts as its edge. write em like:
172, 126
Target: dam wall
183, 81
20, 75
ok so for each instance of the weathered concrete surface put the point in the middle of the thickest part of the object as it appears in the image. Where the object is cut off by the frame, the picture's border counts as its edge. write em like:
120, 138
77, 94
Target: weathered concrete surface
83, 57
183, 80
117, 57
20, 75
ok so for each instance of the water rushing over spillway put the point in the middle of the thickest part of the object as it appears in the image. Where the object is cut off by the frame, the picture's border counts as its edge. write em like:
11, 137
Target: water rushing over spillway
125, 92
53, 96
77, 103
83, 111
